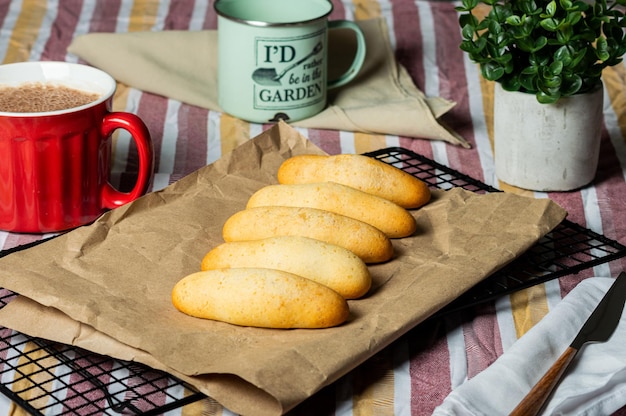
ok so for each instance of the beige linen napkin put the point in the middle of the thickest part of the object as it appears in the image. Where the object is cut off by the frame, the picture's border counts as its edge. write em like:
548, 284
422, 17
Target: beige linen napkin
183, 65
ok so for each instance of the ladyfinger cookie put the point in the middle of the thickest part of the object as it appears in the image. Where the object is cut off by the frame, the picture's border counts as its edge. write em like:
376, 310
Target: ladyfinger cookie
364, 240
327, 264
358, 171
392, 219
258, 297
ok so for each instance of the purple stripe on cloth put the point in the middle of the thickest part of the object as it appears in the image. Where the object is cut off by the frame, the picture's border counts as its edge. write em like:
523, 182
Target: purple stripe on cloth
152, 110
62, 30
453, 86
85, 394
429, 367
483, 344
609, 181
339, 12
191, 146
14, 240
179, 15
421, 147
409, 40
210, 18
105, 16
327, 140
5, 334
4, 10
150, 387
574, 205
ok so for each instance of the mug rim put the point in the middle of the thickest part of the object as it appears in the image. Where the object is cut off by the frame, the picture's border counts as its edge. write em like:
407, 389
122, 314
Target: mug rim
262, 23
104, 96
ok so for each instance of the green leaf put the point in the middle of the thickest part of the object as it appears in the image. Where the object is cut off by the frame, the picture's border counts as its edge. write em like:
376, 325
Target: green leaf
581, 6
540, 42
468, 20
530, 70
529, 7
492, 71
544, 98
511, 84
602, 49
514, 20
467, 32
468, 5
550, 24
528, 81
494, 28
550, 10
571, 85
564, 34
564, 55
556, 68
577, 57
538, 60
573, 18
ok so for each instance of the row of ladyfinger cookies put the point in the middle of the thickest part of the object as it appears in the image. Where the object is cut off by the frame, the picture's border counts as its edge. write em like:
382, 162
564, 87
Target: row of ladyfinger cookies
301, 248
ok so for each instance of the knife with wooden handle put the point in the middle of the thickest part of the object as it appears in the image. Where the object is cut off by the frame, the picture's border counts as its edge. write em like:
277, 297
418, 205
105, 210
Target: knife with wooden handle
598, 328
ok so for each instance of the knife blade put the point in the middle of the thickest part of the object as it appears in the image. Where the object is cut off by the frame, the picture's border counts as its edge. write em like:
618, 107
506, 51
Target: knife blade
598, 328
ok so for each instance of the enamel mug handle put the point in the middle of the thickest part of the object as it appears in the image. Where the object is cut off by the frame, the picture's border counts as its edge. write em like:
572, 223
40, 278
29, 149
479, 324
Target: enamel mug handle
111, 197
359, 57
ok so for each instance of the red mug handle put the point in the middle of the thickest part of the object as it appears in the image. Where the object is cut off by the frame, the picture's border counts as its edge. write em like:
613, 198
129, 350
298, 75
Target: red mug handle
111, 197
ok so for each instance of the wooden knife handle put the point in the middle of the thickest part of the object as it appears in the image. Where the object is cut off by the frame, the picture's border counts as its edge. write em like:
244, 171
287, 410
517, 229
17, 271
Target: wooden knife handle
538, 395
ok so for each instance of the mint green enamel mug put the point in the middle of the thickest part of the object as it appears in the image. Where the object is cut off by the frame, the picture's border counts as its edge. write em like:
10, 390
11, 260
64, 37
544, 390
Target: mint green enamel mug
272, 58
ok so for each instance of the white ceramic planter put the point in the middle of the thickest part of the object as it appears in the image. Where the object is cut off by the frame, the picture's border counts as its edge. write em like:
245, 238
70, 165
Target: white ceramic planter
547, 147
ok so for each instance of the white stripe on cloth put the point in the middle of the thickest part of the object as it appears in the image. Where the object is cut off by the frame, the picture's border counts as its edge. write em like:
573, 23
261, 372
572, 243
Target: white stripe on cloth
44, 32
401, 378
170, 136
481, 135
214, 145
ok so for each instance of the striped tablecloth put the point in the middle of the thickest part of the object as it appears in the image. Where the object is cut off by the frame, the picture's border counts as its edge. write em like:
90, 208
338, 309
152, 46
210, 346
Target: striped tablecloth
416, 373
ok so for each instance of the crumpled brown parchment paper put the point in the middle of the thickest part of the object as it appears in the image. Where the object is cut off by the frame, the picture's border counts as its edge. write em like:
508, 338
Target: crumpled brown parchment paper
114, 278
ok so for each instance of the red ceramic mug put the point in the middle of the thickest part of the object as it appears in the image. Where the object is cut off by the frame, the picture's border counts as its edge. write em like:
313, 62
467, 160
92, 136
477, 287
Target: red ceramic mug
55, 165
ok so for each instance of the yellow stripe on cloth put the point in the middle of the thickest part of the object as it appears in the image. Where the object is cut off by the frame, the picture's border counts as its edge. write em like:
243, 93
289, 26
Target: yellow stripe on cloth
374, 399
120, 98
143, 15
364, 142
529, 307
25, 31
233, 132
34, 380
486, 88
615, 78
366, 9
204, 407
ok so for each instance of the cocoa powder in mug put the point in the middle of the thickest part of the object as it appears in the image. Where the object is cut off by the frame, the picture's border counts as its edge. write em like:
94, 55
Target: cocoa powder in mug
37, 97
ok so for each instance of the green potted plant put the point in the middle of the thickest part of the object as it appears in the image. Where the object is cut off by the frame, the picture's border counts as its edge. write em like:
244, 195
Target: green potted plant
550, 52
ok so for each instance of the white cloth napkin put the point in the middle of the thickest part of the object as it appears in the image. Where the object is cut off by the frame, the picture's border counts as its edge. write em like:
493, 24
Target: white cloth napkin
595, 383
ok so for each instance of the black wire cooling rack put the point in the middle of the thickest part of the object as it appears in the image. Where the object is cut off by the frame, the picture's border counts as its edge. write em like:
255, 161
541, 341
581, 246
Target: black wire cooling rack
566, 250
47, 378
